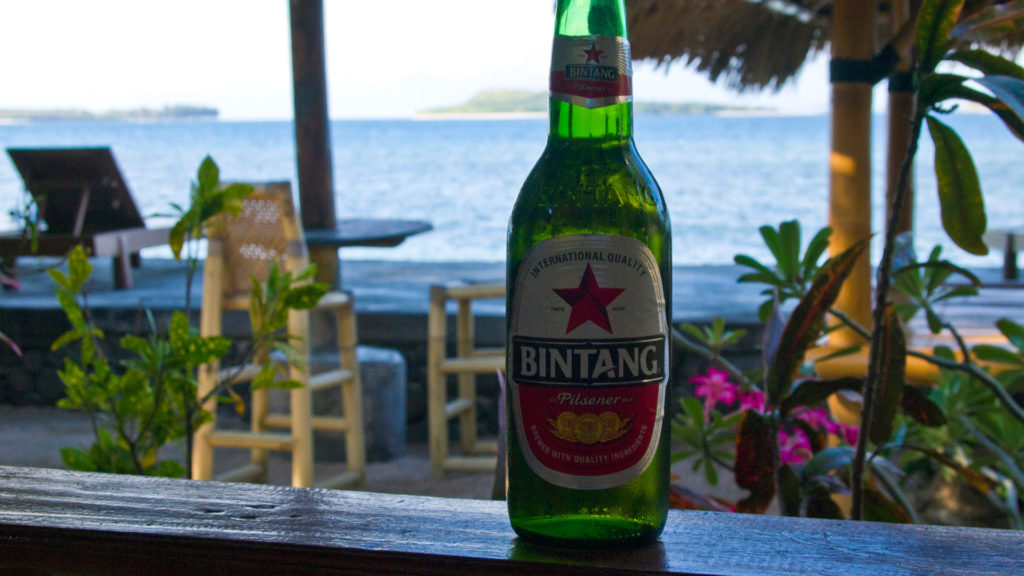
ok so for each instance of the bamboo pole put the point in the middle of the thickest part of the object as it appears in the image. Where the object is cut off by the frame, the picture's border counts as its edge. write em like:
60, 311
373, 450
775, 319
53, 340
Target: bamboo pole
850, 160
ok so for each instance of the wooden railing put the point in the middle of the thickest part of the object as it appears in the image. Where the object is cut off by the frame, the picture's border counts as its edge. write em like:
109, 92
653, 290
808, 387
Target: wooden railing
58, 522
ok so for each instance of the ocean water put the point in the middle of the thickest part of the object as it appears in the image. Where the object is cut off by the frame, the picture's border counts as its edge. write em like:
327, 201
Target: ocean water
723, 177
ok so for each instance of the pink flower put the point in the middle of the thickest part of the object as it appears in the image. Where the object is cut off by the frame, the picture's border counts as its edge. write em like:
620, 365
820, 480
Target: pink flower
794, 448
714, 388
819, 419
850, 434
752, 399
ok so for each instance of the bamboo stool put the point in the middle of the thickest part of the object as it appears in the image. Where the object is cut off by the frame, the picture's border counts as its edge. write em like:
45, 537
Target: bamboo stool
240, 249
478, 456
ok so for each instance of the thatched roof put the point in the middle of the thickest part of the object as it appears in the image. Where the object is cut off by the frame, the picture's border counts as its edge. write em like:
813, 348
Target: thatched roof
747, 44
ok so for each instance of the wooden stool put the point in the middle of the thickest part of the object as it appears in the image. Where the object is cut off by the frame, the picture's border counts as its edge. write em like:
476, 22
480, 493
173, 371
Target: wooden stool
468, 362
242, 248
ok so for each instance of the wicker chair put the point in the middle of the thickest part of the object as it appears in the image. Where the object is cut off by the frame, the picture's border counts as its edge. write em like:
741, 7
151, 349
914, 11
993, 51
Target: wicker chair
468, 362
242, 248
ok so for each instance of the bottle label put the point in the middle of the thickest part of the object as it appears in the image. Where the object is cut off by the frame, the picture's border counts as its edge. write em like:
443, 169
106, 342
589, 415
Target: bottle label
591, 71
588, 359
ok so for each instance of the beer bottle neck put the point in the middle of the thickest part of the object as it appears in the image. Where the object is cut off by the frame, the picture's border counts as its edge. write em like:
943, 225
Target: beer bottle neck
591, 72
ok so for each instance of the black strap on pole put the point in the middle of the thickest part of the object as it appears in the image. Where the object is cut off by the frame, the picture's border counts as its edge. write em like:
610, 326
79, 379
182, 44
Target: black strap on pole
850, 70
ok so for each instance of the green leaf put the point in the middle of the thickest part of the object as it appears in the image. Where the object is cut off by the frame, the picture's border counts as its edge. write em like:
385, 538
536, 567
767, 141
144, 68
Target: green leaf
937, 87
789, 244
65, 339
771, 240
815, 249
132, 343
976, 479
878, 508
233, 195
692, 330
168, 469
819, 504
265, 379
695, 411
934, 322
789, 491
1011, 120
963, 208
1013, 331
177, 236
76, 459
990, 353
807, 319
934, 24
892, 377
710, 474
71, 309
305, 296
987, 63
917, 406
825, 462
839, 353
180, 331
79, 268
208, 175
812, 392
288, 384
306, 274
1009, 91
991, 25
755, 463
60, 279
764, 274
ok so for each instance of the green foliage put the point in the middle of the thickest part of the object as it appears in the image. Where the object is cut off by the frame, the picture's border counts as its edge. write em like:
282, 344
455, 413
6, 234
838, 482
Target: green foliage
960, 200
807, 321
924, 285
208, 199
970, 424
129, 408
709, 441
938, 30
792, 274
715, 337
269, 306
149, 400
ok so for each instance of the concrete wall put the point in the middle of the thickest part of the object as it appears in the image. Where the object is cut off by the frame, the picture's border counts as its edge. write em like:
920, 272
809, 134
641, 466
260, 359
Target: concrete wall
32, 379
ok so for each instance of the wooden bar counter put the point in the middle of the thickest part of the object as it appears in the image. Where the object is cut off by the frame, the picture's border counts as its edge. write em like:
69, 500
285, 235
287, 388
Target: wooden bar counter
59, 522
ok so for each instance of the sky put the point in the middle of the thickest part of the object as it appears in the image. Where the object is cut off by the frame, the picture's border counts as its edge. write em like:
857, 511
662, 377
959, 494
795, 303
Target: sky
385, 58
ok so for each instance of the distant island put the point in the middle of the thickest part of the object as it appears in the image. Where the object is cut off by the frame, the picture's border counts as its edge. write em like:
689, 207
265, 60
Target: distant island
524, 102
177, 112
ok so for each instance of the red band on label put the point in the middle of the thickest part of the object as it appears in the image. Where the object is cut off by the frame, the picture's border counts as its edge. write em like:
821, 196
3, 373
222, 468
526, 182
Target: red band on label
591, 89
589, 432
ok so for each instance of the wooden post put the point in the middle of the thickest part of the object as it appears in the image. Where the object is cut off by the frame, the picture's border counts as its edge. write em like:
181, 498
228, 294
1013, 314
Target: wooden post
312, 129
853, 36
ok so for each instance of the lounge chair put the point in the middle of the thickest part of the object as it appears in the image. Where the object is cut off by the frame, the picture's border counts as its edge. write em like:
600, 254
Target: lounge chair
83, 199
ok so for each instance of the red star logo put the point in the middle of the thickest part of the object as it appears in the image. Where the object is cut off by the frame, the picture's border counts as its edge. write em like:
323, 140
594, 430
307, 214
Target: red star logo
589, 302
593, 55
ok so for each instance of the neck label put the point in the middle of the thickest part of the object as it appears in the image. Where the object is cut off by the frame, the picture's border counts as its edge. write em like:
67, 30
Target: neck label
588, 360
591, 71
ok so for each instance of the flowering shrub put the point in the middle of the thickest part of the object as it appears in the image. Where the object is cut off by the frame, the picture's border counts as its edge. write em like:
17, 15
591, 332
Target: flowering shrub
726, 402
972, 420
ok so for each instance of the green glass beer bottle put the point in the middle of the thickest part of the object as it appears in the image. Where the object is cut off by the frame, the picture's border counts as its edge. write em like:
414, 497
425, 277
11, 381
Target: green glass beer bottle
589, 284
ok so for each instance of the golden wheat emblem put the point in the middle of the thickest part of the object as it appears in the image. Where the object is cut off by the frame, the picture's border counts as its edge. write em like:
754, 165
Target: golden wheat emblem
589, 428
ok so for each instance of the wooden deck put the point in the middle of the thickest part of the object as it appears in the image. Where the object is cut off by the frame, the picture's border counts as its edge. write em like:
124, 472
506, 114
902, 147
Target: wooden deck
63, 522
